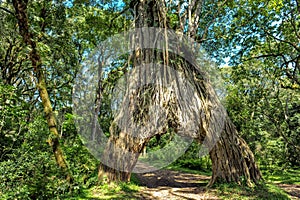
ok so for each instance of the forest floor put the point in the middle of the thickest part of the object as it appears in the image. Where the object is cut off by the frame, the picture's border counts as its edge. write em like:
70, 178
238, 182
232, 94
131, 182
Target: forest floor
176, 184
167, 184
292, 189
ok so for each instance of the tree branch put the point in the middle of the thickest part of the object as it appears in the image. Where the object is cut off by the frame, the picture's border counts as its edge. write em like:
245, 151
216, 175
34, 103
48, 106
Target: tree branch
284, 41
292, 21
263, 56
8, 11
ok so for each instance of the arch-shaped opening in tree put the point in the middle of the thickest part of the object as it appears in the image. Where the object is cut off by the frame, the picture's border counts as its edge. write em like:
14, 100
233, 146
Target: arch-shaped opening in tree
232, 159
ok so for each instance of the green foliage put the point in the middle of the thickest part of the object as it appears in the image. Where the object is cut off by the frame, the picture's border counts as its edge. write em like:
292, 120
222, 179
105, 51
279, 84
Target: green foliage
192, 160
13, 114
30, 172
262, 42
264, 113
82, 164
27, 166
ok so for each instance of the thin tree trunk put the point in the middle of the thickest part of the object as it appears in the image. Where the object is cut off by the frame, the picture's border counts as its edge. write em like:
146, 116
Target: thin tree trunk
21, 14
94, 136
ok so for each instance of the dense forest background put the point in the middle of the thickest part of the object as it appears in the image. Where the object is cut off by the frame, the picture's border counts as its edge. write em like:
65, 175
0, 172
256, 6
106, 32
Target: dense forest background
255, 43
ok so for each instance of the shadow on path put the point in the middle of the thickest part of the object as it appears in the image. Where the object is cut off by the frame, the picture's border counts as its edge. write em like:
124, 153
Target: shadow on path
292, 189
166, 184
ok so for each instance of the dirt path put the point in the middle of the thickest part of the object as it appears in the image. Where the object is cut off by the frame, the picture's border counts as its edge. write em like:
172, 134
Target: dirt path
175, 185
167, 184
292, 189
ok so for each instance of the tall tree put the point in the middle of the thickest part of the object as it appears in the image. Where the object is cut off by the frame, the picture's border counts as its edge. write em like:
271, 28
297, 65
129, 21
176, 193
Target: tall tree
232, 159
21, 14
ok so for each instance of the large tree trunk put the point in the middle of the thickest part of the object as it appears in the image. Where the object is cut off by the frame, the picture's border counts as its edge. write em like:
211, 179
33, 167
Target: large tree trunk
123, 148
22, 18
231, 157
120, 157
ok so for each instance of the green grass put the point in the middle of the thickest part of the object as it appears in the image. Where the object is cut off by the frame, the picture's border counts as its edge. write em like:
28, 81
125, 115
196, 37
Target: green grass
262, 191
286, 176
267, 190
110, 191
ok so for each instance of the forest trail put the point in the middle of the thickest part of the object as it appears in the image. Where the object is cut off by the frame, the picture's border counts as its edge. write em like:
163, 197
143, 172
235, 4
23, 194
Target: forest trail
168, 184
292, 189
